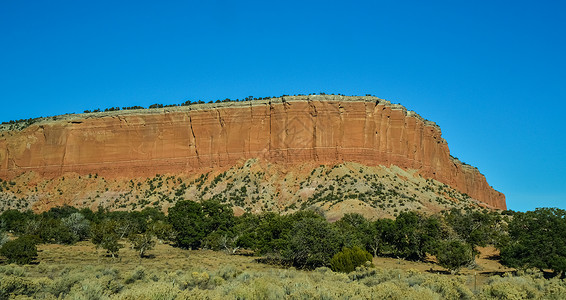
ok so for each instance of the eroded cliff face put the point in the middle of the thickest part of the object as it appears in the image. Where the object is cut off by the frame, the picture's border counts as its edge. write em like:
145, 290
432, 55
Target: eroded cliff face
194, 139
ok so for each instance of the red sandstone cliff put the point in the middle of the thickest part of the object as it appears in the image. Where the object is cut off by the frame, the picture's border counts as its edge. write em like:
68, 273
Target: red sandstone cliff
288, 130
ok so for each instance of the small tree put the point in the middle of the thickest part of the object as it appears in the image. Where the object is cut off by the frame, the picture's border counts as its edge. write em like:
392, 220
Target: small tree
476, 228
78, 225
105, 236
414, 235
162, 230
142, 242
21, 251
378, 236
311, 243
270, 235
15, 221
48, 230
217, 217
245, 231
454, 254
194, 221
353, 229
349, 259
537, 239
186, 219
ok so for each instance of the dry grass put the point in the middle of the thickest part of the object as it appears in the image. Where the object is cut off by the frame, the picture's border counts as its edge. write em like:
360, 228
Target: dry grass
487, 265
165, 257
82, 272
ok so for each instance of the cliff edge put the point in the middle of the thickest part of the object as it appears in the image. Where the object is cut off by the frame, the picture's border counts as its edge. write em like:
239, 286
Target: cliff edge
194, 139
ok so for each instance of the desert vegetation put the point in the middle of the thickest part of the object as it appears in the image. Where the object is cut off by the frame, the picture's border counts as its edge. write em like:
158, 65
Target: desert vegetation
253, 186
232, 281
301, 251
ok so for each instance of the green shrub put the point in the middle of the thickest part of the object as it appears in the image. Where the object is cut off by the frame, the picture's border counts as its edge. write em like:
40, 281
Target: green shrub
537, 239
349, 258
63, 283
142, 242
137, 274
201, 280
13, 270
157, 291
311, 243
21, 251
13, 285
106, 236
88, 289
455, 254
523, 287
77, 225
260, 288
194, 221
228, 272
15, 221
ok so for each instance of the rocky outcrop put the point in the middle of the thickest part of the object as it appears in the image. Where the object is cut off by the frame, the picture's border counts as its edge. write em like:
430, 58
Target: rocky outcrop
287, 130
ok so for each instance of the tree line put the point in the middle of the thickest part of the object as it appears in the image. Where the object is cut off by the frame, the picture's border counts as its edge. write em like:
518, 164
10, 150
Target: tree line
23, 123
189, 102
304, 239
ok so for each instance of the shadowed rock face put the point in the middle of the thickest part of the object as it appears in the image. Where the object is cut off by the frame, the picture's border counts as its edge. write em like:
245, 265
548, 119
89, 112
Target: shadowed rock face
194, 139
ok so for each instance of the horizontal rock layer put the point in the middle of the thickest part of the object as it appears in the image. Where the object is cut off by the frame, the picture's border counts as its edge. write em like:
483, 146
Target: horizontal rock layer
288, 130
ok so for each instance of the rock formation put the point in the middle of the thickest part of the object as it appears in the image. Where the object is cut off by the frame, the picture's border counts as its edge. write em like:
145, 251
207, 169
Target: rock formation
197, 138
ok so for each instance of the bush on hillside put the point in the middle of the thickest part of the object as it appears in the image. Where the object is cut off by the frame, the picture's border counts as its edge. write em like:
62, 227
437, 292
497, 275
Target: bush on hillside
414, 235
349, 259
537, 239
311, 243
21, 251
454, 255
193, 221
106, 236
78, 225
15, 221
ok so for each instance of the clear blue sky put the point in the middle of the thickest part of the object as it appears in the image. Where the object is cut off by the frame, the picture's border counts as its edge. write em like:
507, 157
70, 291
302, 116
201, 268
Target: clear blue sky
492, 74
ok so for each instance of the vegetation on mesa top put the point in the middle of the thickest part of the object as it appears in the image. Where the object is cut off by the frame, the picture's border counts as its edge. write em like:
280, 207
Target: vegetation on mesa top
303, 239
23, 123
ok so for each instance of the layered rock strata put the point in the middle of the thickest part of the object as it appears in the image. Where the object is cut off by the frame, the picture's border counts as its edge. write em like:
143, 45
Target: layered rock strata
197, 138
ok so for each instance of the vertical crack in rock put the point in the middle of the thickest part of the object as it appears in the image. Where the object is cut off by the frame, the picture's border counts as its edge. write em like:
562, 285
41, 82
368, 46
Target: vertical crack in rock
194, 138
314, 115
123, 120
270, 115
251, 124
223, 136
10, 159
286, 126
3, 159
365, 127
43, 133
220, 119
64, 155
403, 143
341, 133
313, 111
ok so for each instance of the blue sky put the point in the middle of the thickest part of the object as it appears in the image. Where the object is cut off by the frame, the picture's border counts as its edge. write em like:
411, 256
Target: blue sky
492, 74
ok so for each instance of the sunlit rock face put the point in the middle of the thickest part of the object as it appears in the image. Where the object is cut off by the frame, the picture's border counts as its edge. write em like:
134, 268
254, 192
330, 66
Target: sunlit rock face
193, 139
